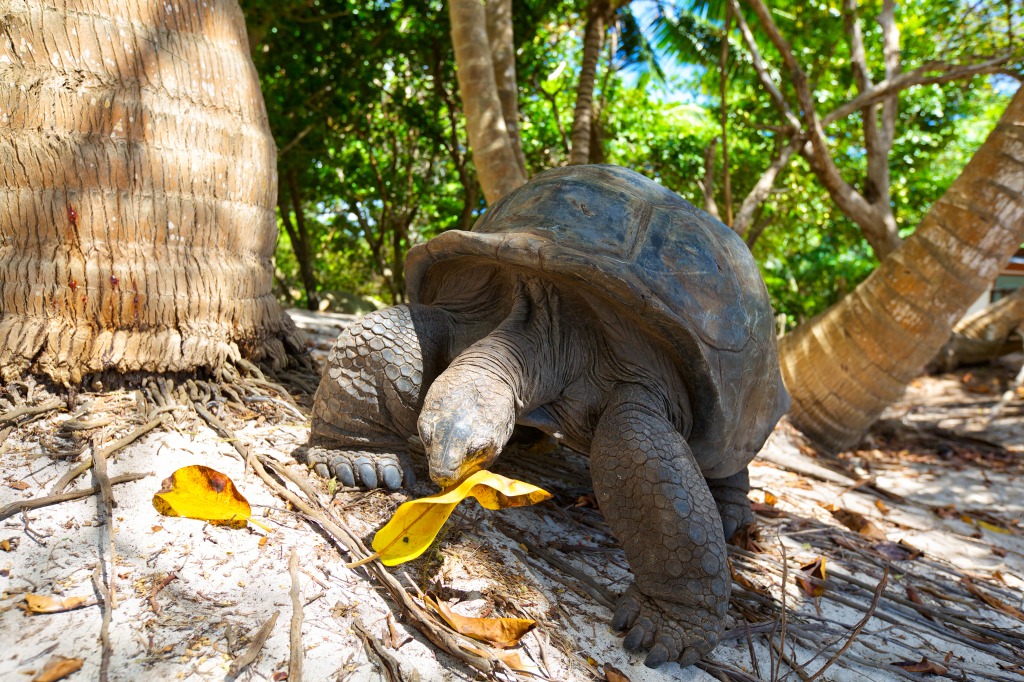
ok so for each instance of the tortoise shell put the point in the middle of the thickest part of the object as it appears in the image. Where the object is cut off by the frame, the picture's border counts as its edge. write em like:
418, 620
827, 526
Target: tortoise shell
624, 240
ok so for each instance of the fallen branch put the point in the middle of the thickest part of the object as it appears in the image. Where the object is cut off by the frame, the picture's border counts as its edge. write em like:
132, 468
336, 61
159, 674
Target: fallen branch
377, 653
12, 416
39, 502
255, 646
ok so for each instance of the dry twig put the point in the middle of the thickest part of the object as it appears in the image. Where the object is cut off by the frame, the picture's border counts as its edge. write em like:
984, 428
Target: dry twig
295, 642
243, 660
105, 598
38, 502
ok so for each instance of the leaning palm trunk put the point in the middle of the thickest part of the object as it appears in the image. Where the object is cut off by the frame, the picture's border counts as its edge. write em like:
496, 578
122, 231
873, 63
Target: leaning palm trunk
985, 335
137, 192
845, 366
494, 151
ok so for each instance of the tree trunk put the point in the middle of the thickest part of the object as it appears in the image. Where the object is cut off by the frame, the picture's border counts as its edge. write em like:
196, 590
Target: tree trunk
845, 366
593, 41
495, 158
503, 54
985, 335
137, 224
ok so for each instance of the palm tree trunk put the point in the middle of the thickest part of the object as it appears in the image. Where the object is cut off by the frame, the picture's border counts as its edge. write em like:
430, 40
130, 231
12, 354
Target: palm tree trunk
495, 157
845, 366
137, 192
593, 42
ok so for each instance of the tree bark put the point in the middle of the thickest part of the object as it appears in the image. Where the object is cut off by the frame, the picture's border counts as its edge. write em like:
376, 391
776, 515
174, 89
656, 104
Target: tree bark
137, 192
503, 53
593, 42
845, 366
495, 158
985, 335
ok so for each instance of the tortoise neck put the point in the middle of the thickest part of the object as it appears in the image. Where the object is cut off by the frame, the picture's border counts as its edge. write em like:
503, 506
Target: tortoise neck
534, 352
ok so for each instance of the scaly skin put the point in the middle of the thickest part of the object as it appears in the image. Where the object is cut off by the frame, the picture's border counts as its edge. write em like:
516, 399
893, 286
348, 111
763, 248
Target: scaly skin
400, 370
658, 505
730, 495
370, 394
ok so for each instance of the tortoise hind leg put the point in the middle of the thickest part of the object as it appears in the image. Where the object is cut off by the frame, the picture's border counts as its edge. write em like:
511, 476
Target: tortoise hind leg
370, 395
657, 503
730, 495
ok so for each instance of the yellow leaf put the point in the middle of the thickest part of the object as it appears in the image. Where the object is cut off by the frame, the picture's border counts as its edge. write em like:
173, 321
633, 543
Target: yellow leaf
199, 492
815, 569
500, 632
45, 603
416, 523
770, 499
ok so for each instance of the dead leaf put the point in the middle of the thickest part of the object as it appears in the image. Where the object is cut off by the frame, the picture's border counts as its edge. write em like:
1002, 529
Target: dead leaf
815, 569
509, 658
914, 596
45, 603
923, 666
199, 492
766, 510
57, 668
10, 544
995, 603
897, 551
392, 638
588, 501
859, 523
20, 485
613, 674
416, 523
881, 506
500, 632
770, 499
745, 582
746, 537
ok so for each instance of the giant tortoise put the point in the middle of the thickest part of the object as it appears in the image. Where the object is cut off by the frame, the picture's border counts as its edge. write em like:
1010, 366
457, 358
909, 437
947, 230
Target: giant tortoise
600, 307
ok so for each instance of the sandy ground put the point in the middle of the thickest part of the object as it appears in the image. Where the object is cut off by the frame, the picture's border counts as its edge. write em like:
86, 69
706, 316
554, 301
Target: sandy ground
190, 596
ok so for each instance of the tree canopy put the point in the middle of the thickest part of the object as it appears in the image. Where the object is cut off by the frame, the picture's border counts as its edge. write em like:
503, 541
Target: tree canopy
374, 154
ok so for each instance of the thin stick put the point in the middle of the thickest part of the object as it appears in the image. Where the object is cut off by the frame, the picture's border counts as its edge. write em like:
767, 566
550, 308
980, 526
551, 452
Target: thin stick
750, 649
295, 643
255, 646
857, 628
83, 466
73, 473
12, 416
101, 589
105, 514
38, 502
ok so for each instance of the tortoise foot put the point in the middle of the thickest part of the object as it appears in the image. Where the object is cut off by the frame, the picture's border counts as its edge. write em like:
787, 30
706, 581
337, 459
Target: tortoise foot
667, 631
735, 515
733, 504
362, 468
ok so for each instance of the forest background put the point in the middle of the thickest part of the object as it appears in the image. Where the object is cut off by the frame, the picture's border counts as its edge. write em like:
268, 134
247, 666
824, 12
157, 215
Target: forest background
373, 153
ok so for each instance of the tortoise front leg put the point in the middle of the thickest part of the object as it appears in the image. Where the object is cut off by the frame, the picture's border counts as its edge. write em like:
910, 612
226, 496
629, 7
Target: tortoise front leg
370, 395
657, 503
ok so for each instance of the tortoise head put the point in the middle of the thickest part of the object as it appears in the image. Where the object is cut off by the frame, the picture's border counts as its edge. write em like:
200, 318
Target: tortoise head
462, 431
